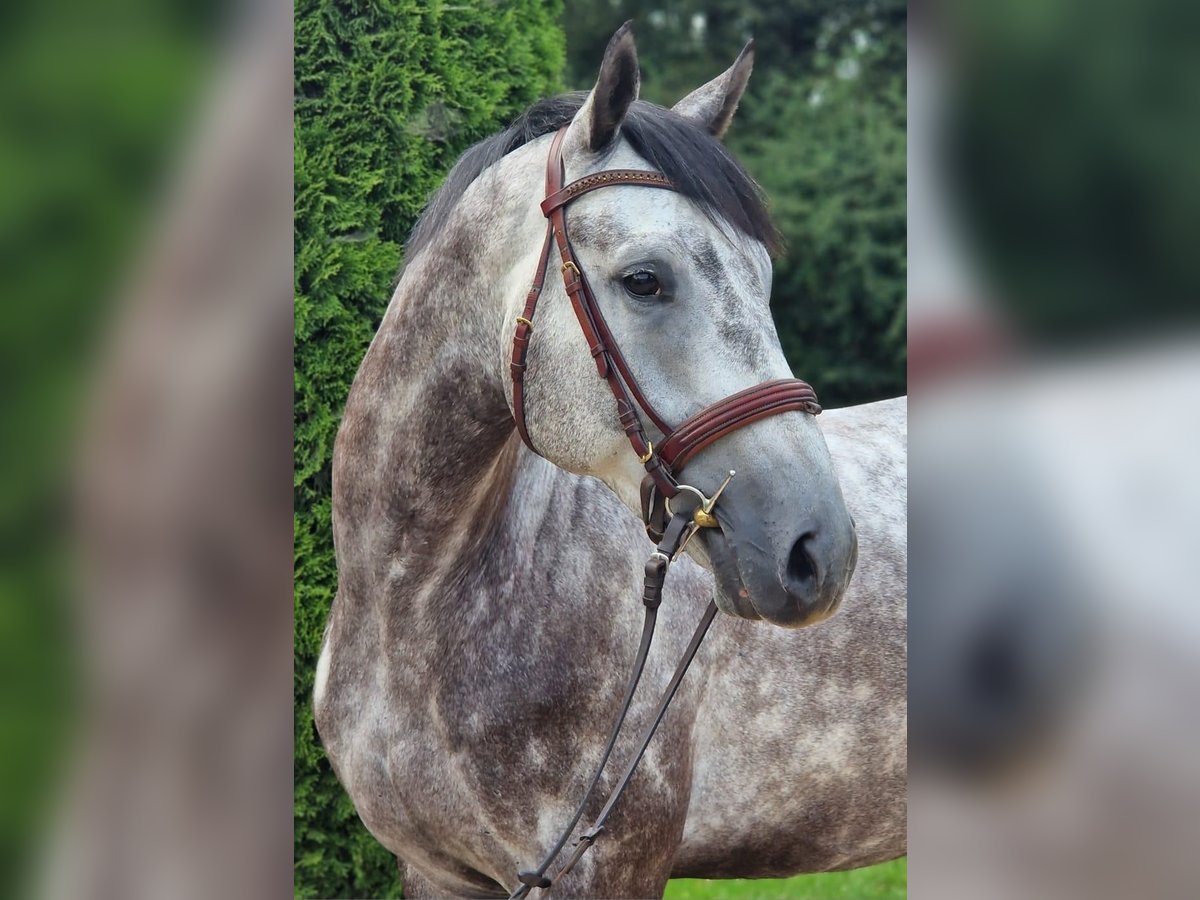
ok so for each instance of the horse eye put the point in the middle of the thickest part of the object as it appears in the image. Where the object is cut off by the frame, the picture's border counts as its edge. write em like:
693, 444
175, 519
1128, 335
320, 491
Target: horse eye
643, 284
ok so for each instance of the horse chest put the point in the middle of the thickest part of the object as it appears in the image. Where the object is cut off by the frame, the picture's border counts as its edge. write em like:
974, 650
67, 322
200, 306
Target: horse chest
449, 729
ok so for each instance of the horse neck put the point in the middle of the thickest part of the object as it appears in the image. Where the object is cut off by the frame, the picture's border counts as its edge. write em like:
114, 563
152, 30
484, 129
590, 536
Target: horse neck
427, 450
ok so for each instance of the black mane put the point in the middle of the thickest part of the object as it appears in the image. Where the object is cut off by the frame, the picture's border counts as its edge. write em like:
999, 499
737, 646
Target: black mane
697, 163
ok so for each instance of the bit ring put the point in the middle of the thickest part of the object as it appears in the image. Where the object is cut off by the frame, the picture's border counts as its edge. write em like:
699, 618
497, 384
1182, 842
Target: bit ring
691, 490
702, 515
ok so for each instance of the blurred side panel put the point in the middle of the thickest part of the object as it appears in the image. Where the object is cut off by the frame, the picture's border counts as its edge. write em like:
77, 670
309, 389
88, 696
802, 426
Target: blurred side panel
145, 205
1055, 369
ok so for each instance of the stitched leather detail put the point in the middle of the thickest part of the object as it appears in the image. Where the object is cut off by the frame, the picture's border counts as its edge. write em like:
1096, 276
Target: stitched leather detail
559, 198
770, 398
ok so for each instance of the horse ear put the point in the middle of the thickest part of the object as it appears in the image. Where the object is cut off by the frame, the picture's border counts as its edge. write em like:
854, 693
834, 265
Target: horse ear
598, 120
712, 105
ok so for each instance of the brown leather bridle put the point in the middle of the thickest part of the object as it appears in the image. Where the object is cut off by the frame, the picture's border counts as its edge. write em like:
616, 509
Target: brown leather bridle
680, 444
663, 464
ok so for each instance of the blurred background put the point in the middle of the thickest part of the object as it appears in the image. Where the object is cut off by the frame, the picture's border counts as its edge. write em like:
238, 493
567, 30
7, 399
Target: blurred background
91, 105
1054, 505
145, 197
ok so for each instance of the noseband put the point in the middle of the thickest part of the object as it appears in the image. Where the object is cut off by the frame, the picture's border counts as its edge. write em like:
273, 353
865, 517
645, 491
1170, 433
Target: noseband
677, 447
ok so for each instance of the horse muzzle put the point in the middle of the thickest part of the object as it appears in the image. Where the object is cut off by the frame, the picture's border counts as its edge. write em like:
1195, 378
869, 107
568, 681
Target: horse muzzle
788, 569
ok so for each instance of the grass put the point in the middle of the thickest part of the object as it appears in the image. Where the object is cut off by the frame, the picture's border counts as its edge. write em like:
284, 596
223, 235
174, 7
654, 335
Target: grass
887, 881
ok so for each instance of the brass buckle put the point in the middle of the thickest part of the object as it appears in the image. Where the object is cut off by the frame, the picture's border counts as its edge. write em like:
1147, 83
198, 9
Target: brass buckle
645, 458
521, 320
570, 264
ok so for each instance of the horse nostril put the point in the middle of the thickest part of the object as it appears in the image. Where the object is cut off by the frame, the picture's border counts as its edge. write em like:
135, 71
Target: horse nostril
801, 570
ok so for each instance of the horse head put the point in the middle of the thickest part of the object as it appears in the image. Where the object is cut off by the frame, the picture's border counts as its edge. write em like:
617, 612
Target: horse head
682, 278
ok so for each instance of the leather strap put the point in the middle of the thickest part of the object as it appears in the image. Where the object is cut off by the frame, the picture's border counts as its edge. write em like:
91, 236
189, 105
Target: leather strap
589, 837
736, 411
608, 178
610, 364
608, 358
521, 343
600, 339
676, 536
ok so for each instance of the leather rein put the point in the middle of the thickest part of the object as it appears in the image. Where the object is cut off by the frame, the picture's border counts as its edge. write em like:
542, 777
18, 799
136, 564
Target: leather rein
670, 530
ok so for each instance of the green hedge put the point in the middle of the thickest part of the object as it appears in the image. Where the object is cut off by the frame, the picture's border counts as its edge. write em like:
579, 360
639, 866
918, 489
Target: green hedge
387, 95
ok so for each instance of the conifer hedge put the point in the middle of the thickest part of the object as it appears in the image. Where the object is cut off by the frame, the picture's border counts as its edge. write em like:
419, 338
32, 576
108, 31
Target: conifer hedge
387, 95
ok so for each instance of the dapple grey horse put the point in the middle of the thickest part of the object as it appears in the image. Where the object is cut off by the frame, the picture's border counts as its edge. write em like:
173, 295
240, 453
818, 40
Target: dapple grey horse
487, 608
